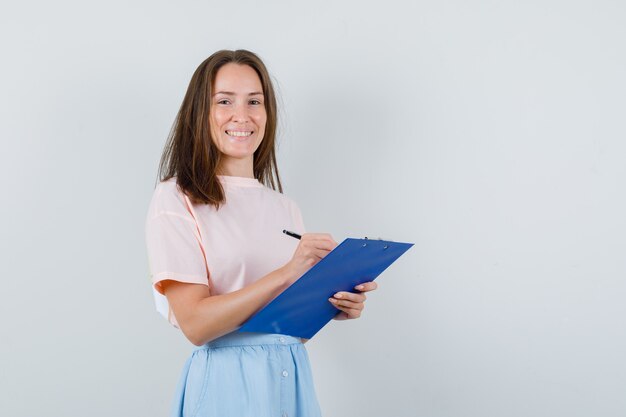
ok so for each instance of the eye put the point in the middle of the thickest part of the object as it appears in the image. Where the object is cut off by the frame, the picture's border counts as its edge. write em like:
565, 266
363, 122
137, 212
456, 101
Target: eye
223, 101
255, 102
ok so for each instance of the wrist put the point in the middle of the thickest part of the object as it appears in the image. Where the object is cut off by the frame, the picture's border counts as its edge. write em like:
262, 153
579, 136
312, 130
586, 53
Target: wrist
287, 275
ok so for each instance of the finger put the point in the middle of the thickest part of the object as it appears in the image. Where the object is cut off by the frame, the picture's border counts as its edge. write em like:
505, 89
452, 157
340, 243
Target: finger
341, 315
367, 286
357, 298
352, 313
319, 238
324, 244
346, 304
318, 244
319, 253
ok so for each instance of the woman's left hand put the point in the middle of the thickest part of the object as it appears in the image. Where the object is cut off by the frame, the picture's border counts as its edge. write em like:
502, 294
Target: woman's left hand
352, 304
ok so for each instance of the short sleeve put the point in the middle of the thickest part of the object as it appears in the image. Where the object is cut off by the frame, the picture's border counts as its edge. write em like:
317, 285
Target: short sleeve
174, 245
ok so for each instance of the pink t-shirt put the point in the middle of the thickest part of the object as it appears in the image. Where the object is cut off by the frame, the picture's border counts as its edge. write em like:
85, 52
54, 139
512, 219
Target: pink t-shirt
225, 249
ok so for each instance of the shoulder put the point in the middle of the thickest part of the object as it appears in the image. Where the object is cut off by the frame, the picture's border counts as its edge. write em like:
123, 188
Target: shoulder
168, 198
168, 188
282, 198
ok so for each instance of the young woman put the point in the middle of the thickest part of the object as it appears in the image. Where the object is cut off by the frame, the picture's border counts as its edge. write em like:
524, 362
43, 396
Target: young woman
216, 249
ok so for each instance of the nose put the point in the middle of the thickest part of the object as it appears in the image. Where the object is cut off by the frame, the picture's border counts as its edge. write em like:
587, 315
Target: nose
240, 113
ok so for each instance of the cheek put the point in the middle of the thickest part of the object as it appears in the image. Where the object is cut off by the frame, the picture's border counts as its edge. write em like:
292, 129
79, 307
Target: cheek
216, 121
218, 118
260, 120
215, 129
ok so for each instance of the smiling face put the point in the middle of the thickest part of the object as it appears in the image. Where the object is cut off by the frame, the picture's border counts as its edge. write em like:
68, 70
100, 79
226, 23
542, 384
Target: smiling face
237, 117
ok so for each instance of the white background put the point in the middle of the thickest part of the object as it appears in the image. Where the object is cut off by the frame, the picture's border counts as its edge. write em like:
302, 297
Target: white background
491, 134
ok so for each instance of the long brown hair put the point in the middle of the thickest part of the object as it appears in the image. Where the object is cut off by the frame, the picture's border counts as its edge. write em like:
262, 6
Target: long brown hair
190, 154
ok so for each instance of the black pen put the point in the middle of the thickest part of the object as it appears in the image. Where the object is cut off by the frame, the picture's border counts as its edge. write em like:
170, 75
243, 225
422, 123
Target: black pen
292, 234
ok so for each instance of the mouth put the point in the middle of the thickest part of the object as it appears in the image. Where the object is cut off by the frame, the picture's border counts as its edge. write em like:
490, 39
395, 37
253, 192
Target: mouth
239, 133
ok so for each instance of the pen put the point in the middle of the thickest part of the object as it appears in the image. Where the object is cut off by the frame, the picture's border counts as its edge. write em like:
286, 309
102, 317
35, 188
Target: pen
292, 234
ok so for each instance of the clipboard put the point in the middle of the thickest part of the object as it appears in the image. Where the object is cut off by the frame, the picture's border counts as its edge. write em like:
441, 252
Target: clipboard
303, 308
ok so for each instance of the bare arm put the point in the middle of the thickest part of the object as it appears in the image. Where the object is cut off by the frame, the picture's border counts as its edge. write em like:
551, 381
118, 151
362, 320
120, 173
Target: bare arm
203, 317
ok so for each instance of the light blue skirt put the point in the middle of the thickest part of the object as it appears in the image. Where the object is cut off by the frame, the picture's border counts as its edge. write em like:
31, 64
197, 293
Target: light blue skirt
247, 374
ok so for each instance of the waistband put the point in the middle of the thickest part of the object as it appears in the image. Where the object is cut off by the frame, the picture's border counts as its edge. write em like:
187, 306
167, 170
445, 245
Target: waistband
249, 339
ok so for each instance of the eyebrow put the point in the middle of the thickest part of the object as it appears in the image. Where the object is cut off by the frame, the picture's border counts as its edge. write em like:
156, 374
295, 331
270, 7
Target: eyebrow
230, 93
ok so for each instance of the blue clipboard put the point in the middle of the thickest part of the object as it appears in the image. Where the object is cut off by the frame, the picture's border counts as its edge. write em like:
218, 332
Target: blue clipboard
303, 308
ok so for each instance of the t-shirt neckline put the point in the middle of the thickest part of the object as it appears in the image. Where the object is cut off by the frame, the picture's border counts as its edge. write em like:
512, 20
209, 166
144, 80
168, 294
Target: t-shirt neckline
239, 181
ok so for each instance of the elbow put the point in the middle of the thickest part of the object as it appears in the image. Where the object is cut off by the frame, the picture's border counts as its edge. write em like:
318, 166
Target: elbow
198, 322
196, 342
199, 335
194, 336
199, 340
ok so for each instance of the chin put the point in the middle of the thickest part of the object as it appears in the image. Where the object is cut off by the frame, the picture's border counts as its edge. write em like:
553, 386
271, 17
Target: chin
239, 153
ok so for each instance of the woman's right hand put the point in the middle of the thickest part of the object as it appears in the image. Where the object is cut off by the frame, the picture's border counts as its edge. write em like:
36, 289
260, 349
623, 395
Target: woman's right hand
311, 249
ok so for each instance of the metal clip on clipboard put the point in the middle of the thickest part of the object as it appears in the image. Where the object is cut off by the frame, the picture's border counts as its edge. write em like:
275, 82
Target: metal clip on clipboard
366, 238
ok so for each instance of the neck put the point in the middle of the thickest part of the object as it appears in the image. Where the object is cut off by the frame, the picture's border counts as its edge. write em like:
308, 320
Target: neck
236, 167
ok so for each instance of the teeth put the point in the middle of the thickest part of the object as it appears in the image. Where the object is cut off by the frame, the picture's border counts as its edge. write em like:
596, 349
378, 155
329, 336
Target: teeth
240, 134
